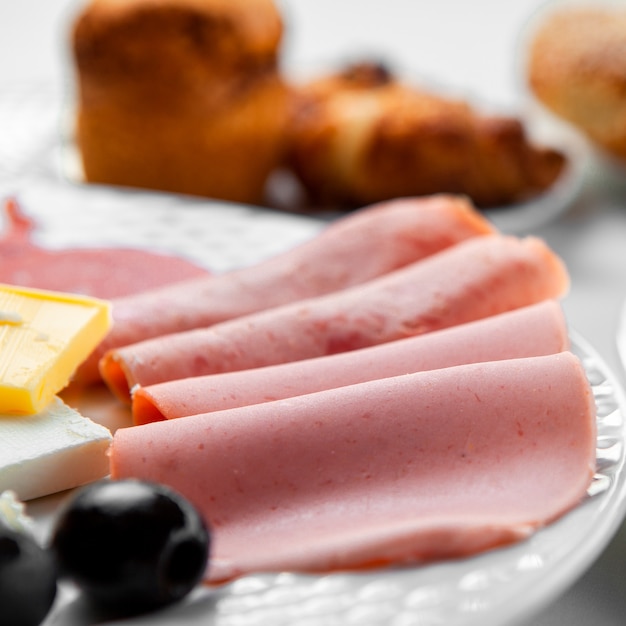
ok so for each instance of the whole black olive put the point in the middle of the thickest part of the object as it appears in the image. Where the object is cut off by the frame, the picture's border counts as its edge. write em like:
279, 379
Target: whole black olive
131, 546
28, 581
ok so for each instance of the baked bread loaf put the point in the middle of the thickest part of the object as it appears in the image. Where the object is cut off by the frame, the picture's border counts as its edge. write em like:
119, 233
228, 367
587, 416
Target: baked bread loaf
180, 95
577, 68
362, 136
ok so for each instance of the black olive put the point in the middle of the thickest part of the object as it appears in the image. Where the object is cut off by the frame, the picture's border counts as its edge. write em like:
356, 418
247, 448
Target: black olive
28, 580
131, 546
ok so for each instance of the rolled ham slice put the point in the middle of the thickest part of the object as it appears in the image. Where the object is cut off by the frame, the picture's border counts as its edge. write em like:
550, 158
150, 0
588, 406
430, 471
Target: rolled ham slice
436, 464
534, 330
365, 244
474, 279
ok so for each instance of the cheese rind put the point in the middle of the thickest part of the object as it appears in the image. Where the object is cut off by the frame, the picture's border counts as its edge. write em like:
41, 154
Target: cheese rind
44, 337
51, 451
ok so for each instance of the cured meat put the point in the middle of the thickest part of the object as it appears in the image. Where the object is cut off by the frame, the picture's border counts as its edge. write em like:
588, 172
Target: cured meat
534, 330
359, 247
99, 272
436, 464
476, 278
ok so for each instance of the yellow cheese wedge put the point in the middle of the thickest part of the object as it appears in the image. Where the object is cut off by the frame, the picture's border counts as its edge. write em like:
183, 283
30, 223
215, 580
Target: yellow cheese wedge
44, 336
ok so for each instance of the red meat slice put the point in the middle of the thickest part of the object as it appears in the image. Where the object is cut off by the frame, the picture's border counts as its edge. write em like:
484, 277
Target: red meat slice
100, 272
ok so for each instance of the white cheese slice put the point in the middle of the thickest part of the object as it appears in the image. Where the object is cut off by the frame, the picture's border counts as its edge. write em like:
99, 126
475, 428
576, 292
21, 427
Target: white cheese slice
51, 451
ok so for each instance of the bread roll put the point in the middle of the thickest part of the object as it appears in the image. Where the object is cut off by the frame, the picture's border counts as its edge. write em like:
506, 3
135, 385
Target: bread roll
180, 95
577, 69
362, 136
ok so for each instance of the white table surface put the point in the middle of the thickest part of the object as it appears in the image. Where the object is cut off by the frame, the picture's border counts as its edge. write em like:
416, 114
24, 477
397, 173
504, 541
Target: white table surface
466, 46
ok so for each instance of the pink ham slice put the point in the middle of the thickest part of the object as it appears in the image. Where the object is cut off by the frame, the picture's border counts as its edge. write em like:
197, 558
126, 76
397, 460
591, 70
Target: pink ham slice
436, 464
474, 279
361, 246
534, 330
101, 272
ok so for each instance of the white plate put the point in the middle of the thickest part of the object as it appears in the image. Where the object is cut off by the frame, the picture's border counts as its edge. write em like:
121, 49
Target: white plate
498, 587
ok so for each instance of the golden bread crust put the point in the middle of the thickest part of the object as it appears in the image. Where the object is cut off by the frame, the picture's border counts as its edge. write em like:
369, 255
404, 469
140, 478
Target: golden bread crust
577, 69
361, 136
136, 40
174, 94
227, 155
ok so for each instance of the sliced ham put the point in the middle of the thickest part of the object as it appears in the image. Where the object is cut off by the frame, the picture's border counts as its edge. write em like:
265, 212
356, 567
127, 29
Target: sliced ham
361, 246
436, 464
476, 278
100, 272
534, 330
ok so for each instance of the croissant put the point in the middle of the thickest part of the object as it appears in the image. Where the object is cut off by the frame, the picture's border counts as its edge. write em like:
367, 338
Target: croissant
362, 136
